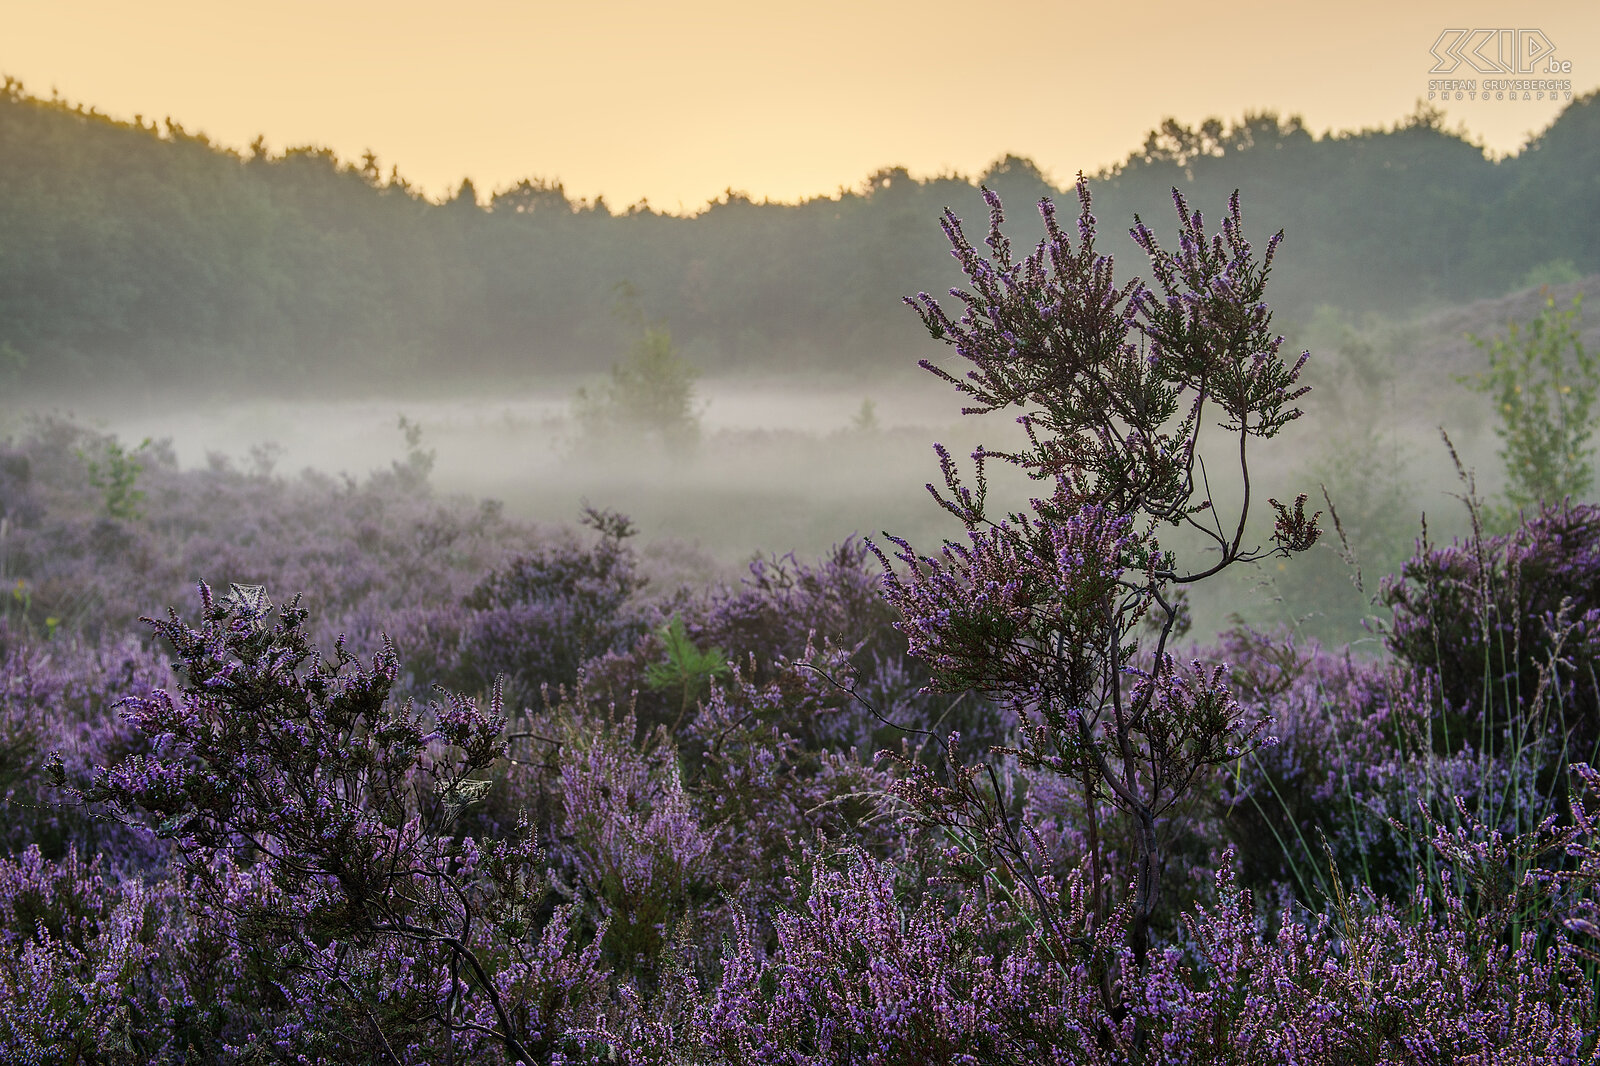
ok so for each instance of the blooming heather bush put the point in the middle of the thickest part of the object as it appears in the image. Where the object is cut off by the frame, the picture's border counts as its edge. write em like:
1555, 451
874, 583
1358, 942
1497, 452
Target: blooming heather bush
61, 697
1490, 699
1509, 625
784, 604
539, 618
771, 621
304, 769
1354, 777
1367, 985
106, 968
636, 843
859, 978
363, 549
1283, 802
279, 943
348, 820
770, 796
1045, 609
73, 949
661, 831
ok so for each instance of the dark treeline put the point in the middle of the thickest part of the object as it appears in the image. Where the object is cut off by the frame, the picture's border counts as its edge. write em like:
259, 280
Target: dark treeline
143, 252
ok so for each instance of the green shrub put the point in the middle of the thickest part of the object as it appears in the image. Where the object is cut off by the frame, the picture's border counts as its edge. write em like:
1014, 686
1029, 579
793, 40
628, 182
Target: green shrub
1543, 396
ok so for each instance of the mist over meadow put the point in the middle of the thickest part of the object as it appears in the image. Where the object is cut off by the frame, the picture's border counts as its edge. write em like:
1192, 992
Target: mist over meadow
567, 661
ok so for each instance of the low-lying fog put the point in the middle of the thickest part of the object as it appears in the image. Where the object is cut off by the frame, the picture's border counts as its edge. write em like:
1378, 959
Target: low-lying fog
784, 467
797, 466
776, 468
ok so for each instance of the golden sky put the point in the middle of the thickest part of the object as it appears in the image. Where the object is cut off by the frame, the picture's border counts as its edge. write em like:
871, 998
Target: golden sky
677, 101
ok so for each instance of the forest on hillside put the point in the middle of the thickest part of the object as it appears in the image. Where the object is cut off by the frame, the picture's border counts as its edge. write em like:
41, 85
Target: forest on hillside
142, 252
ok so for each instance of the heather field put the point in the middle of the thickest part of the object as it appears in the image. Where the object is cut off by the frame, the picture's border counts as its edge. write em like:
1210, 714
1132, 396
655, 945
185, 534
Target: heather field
1154, 737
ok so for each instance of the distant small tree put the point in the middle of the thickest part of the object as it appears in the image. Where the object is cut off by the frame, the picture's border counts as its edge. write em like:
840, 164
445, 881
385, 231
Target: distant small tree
413, 473
866, 418
649, 393
116, 473
1544, 385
